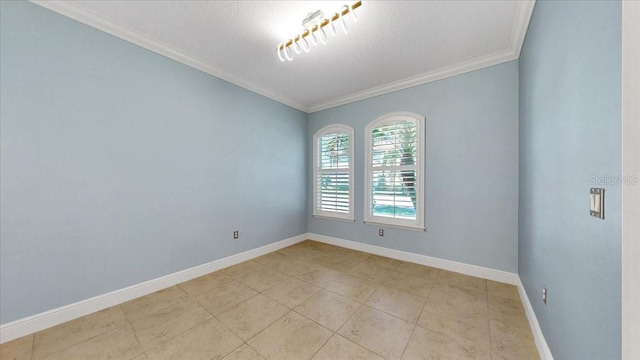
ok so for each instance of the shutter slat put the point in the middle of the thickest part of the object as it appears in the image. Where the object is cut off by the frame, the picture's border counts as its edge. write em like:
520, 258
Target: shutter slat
332, 173
394, 160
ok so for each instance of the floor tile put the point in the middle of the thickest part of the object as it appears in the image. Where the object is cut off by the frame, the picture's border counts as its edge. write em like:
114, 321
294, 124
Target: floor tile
337, 262
145, 305
243, 268
291, 292
115, 344
318, 275
426, 344
356, 256
292, 337
457, 302
371, 272
505, 304
208, 340
418, 270
205, 283
512, 342
397, 303
412, 284
353, 287
18, 349
263, 279
302, 252
216, 316
340, 348
328, 309
225, 297
76, 331
382, 261
508, 311
273, 258
379, 332
472, 336
291, 267
244, 352
165, 324
502, 290
250, 317
462, 280
316, 245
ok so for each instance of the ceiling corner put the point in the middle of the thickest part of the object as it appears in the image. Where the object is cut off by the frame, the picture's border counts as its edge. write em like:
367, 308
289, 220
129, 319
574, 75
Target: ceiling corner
522, 24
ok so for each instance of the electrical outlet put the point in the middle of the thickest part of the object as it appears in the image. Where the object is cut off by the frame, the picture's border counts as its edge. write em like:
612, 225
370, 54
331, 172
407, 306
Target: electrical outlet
544, 294
235, 234
381, 232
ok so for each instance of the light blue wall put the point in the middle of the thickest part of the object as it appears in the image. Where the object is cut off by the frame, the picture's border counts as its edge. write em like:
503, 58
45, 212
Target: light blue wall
471, 170
120, 165
570, 131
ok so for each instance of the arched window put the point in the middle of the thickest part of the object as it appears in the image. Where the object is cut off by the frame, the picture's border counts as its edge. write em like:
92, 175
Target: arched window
394, 168
333, 172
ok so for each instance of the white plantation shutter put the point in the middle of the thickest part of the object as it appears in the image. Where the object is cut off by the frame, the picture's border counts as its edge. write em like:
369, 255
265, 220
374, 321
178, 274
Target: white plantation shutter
394, 163
333, 172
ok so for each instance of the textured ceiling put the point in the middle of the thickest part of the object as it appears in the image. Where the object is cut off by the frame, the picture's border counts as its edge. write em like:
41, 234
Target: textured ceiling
393, 45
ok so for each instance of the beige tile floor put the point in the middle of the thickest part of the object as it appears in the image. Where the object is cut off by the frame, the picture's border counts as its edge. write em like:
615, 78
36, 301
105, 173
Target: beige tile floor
307, 301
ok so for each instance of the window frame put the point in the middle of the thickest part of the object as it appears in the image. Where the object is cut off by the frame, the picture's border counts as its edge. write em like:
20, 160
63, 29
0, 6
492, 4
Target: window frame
369, 218
317, 212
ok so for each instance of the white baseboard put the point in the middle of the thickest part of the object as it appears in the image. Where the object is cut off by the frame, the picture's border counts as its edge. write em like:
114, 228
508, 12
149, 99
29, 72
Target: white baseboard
47, 319
35, 323
538, 337
472, 270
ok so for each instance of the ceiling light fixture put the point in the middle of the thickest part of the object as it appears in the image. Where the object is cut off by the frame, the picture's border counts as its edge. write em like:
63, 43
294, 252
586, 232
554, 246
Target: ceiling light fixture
313, 25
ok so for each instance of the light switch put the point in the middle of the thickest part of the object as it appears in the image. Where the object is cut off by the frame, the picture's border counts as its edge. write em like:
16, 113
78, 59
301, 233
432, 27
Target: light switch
596, 202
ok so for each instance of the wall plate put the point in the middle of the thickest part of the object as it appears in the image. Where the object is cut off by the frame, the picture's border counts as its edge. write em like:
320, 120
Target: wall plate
596, 202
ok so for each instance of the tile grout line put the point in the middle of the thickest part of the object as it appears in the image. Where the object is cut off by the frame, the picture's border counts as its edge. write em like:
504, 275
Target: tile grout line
378, 285
85, 340
420, 315
33, 346
181, 333
254, 349
322, 346
489, 324
266, 327
133, 330
311, 263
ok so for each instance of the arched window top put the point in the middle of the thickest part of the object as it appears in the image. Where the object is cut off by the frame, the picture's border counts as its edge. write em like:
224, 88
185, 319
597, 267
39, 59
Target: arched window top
395, 117
334, 128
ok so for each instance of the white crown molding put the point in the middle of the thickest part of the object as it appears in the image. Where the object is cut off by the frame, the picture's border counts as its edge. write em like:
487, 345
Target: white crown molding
47, 319
74, 12
525, 10
421, 79
538, 337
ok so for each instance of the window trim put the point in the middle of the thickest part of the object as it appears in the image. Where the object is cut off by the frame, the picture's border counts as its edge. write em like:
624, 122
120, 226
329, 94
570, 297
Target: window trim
333, 128
369, 218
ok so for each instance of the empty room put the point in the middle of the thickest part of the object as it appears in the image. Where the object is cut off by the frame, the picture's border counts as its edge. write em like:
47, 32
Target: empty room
325, 180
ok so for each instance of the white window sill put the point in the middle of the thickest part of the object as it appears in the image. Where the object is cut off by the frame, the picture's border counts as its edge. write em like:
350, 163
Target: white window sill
397, 226
327, 217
